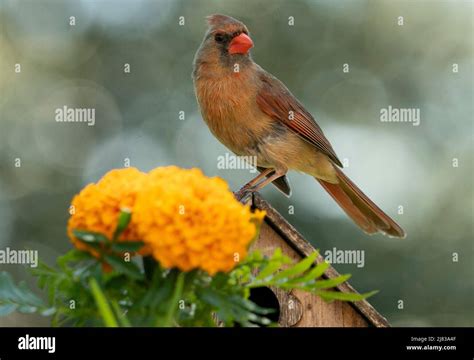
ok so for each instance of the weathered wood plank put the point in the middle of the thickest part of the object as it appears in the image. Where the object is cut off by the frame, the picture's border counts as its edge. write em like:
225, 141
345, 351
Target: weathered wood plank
277, 232
308, 310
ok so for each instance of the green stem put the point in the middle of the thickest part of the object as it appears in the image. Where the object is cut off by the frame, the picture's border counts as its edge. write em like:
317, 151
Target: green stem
178, 291
102, 304
120, 315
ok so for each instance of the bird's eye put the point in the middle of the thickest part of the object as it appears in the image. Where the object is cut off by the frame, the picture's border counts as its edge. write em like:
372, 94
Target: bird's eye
219, 38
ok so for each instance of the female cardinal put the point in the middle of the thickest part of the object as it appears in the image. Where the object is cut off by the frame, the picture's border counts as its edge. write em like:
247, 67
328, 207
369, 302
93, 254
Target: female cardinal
254, 114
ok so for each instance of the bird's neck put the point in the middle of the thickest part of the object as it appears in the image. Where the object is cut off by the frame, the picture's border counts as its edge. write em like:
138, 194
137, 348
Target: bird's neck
213, 65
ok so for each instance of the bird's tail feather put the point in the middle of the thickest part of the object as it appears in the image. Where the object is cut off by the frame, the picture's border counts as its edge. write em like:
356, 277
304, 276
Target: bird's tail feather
368, 216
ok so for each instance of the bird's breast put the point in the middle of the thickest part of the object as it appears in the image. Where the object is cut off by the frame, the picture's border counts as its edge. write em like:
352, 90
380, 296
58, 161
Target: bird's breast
228, 105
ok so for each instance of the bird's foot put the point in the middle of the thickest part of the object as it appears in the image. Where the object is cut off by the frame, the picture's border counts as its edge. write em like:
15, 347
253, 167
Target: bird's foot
244, 194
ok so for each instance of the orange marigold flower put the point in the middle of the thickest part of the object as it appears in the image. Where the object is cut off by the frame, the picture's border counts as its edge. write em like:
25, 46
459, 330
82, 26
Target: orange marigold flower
97, 207
191, 221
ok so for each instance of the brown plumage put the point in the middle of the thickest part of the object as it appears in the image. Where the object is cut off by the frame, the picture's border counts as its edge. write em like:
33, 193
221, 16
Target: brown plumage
254, 114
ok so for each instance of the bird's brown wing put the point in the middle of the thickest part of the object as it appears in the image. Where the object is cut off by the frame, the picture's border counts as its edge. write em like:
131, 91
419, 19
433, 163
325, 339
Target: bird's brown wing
275, 100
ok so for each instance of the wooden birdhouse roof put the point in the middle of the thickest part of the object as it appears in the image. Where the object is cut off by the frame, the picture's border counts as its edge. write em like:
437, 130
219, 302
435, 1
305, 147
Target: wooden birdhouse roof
277, 230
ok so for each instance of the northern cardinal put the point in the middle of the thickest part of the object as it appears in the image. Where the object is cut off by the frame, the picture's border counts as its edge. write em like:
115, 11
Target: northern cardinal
253, 113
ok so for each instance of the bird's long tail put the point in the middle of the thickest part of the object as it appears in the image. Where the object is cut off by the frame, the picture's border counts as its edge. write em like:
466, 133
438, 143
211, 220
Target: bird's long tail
368, 216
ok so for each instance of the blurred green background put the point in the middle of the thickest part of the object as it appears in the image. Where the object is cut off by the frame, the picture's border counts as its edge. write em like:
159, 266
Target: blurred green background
137, 118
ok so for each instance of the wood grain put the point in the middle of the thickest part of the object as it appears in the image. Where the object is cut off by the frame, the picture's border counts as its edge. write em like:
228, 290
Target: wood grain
277, 232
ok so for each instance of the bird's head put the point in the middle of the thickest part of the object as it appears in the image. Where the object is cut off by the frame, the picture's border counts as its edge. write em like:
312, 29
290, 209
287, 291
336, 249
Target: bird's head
229, 35
226, 42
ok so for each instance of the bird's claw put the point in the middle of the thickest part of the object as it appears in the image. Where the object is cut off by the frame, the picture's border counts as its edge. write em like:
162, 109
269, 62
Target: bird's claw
243, 195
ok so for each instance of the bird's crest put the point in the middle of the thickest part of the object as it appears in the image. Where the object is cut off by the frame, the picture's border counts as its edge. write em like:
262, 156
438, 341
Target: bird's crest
219, 20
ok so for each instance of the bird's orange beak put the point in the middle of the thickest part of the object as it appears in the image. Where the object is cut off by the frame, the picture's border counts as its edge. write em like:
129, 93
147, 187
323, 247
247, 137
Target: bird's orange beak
241, 44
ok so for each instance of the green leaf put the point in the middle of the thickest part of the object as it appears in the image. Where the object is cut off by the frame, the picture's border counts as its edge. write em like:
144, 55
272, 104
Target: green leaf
330, 283
6, 309
16, 297
19, 294
337, 295
128, 268
268, 270
231, 308
251, 306
274, 263
160, 290
72, 256
48, 312
89, 237
123, 221
297, 269
303, 275
256, 255
27, 309
311, 275
127, 246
